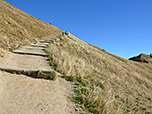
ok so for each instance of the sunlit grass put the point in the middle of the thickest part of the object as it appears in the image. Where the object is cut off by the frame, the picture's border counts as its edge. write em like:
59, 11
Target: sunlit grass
19, 28
104, 82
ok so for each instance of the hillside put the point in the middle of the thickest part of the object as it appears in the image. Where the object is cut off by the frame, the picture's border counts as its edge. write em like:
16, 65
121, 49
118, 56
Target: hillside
142, 58
105, 83
18, 28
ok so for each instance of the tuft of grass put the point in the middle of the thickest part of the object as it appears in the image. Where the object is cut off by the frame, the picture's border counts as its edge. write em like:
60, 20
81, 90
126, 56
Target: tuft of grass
50, 76
53, 76
11, 49
69, 78
35, 74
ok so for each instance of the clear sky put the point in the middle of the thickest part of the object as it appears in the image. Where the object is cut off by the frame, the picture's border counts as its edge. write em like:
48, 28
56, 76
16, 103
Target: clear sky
121, 27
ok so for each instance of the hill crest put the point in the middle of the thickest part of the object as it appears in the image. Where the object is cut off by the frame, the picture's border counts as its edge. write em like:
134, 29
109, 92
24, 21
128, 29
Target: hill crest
144, 58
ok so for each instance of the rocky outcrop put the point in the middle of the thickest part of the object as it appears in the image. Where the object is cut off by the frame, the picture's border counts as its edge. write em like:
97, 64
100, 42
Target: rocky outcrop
151, 55
142, 58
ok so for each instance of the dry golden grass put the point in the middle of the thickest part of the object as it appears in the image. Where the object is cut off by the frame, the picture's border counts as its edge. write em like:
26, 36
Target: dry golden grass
115, 85
18, 28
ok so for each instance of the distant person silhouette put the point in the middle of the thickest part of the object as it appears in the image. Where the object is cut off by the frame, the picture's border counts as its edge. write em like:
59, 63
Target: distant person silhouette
63, 33
66, 33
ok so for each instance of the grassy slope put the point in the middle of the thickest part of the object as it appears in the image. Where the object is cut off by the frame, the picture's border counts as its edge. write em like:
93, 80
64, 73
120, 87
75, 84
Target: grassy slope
18, 28
107, 83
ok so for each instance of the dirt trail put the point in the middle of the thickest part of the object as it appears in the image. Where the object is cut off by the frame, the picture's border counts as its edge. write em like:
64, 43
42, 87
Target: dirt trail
20, 94
19, 61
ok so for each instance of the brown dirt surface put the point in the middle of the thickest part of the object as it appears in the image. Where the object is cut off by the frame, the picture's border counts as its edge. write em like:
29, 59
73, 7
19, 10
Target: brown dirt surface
24, 95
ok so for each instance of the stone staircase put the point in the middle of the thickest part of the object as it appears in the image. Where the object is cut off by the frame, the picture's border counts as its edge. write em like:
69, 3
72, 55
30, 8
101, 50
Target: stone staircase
29, 59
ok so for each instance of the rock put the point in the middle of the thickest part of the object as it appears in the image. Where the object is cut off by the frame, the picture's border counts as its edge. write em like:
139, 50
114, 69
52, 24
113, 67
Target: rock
77, 106
141, 58
76, 109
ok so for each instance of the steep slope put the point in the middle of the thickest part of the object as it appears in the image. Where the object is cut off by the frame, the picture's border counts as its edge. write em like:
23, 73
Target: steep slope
105, 83
142, 58
18, 28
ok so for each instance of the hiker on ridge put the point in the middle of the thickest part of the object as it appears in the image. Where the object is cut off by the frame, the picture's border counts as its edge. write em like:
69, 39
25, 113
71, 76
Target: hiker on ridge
66, 33
62, 33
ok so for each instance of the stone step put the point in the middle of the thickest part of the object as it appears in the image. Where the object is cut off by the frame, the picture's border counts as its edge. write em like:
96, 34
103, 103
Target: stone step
44, 43
32, 48
26, 62
37, 45
27, 52
49, 41
19, 70
45, 74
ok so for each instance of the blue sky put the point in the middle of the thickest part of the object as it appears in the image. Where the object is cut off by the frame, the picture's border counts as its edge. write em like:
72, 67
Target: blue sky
121, 27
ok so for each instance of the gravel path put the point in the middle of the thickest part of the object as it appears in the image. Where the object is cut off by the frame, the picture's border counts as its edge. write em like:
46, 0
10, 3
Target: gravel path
20, 94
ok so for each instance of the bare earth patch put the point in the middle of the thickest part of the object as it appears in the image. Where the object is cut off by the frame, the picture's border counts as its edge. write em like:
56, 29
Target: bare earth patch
24, 95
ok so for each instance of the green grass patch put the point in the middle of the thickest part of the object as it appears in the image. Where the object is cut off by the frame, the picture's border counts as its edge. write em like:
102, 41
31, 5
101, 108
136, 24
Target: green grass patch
50, 76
